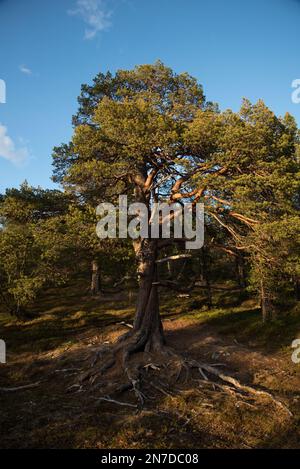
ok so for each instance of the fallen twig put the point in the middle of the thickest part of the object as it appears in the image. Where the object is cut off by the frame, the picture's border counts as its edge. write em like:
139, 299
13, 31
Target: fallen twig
113, 401
20, 388
123, 323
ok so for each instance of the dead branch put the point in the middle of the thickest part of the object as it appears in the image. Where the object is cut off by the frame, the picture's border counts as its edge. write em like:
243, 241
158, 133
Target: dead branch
123, 323
113, 401
228, 228
174, 258
20, 388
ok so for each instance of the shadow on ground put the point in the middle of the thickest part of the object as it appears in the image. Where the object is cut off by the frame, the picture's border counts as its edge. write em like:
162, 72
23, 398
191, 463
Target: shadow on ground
51, 350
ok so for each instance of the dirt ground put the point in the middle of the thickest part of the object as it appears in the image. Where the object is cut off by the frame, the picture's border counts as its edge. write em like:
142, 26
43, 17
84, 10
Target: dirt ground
50, 352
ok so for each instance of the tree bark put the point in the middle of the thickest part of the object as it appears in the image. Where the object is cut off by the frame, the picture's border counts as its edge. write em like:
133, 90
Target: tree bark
267, 308
297, 289
147, 322
95, 281
263, 305
170, 269
240, 271
205, 275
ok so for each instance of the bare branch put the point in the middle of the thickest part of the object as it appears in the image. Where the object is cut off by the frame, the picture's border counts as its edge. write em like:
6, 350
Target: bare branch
174, 258
20, 388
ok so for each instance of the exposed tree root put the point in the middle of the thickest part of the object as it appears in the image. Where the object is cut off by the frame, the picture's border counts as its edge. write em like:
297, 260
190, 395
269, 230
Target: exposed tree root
128, 366
236, 384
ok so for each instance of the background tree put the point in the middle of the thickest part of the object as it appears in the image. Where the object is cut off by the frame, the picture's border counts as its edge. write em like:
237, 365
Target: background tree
102, 258
252, 187
29, 259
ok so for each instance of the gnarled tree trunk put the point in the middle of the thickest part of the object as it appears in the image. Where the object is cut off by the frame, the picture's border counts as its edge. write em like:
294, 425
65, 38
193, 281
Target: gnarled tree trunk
147, 322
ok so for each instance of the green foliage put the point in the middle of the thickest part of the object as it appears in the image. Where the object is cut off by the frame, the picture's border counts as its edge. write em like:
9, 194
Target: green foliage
243, 166
80, 241
150, 134
124, 122
45, 238
29, 252
276, 260
256, 198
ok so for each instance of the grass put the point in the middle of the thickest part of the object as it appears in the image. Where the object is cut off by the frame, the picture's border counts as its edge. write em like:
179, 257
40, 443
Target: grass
56, 319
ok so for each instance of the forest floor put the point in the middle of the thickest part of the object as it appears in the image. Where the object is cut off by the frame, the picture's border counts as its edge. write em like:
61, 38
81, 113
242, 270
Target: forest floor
50, 349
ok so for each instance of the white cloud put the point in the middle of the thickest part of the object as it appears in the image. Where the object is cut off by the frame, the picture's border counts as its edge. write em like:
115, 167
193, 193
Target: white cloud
25, 70
94, 14
9, 151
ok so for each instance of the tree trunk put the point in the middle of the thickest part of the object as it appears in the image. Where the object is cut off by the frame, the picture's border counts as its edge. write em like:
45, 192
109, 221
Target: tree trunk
263, 304
205, 276
240, 271
170, 269
201, 269
267, 308
147, 322
297, 289
95, 281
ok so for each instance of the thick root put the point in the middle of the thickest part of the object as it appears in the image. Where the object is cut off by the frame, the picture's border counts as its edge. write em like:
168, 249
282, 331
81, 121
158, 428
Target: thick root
127, 366
203, 367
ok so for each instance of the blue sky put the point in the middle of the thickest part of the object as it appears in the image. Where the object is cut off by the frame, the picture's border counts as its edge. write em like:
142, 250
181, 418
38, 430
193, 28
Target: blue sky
48, 48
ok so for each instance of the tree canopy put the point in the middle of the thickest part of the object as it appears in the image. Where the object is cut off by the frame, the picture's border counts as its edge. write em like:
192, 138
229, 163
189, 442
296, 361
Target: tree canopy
150, 133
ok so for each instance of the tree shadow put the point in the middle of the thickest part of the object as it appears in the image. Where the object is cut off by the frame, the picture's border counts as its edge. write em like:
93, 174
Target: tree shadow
191, 414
